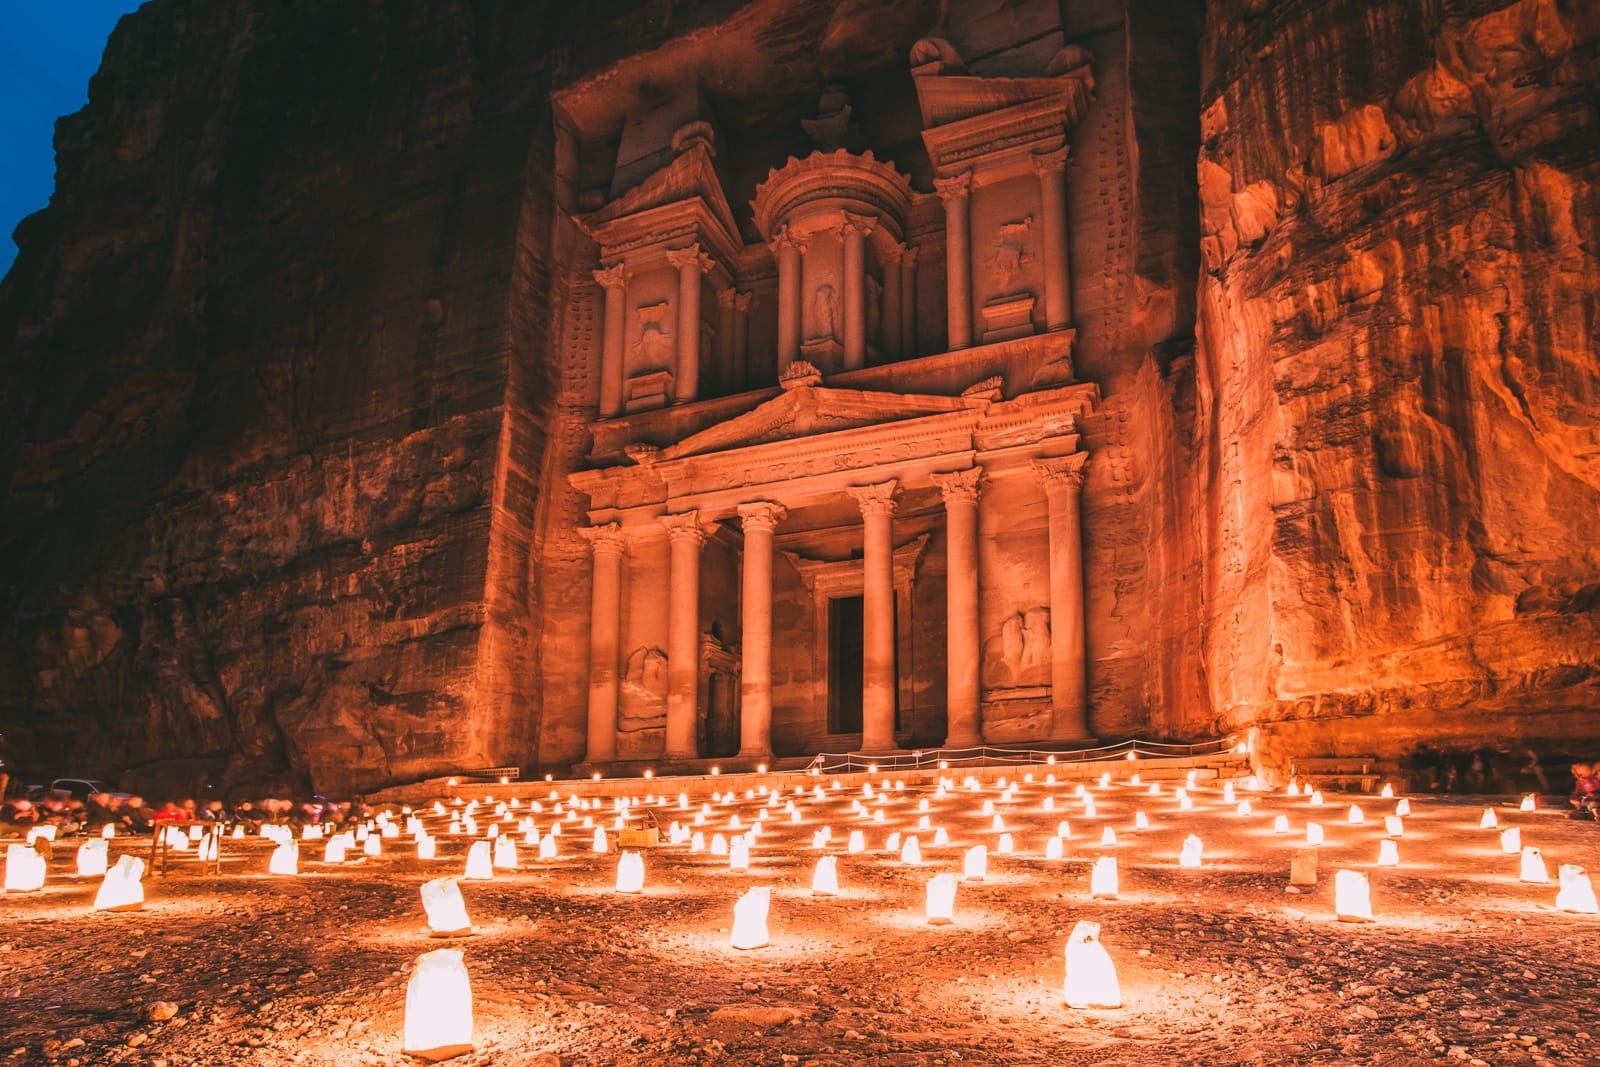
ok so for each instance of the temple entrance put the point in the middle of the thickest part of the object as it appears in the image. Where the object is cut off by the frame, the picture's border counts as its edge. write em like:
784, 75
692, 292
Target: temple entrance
845, 636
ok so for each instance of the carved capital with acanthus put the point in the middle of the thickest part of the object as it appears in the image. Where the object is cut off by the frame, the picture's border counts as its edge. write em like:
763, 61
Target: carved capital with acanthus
784, 238
690, 256
607, 539
959, 487
893, 254
761, 515
856, 225
1061, 473
1050, 162
684, 526
957, 188
742, 302
875, 499
908, 257
612, 277
728, 298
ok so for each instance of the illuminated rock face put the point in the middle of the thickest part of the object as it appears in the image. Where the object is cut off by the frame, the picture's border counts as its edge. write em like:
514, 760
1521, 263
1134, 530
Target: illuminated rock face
323, 393
1397, 398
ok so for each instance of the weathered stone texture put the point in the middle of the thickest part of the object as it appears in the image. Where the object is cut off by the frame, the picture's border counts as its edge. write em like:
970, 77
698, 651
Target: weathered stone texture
1397, 389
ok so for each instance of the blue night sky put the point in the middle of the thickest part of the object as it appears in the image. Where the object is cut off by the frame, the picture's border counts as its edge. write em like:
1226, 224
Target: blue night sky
48, 50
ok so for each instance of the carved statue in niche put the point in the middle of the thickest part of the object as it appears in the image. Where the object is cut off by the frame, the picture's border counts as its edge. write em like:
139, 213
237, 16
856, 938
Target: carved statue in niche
825, 312
647, 671
654, 346
1019, 655
1011, 253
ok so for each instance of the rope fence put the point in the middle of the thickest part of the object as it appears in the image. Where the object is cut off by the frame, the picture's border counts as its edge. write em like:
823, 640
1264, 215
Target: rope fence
989, 756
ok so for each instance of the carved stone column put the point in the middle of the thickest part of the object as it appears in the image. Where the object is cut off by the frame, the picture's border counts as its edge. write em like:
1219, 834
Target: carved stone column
755, 705
787, 249
605, 622
1052, 170
727, 299
877, 615
956, 194
892, 316
691, 264
741, 342
964, 726
854, 235
614, 279
908, 301
1062, 478
683, 634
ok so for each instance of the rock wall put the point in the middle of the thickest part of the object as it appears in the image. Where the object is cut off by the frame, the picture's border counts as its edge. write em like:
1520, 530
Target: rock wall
1397, 394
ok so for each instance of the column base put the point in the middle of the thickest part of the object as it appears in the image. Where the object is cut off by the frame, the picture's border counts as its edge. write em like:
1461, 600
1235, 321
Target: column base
754, 753
970, 741
688, 754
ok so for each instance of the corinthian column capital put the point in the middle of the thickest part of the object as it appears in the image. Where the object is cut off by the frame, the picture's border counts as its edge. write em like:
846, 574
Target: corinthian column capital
761, 515
612, 277
685, 526
1061, 472
784, 237
959, 487
689, 256
957, 188
604, 539
861, 225
875, 499
1050, 162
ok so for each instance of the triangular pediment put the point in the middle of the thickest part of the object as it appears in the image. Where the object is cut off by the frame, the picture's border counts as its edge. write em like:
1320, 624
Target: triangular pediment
690, 176
811, 411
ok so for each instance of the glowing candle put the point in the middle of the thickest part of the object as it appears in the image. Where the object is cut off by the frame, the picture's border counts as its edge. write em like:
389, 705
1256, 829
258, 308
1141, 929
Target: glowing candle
1244, 808
739, 853
372, 846
1049, 804
877, 816
941, 837
1388, 853
1314, 834
1155, 788
445, 908
601, 845
438, 1020
719, 845
1063, 829
1489, 821
1402, 806
630, 872
1577, 892
941, 903
911, 853
988, 807
750, 918
426, 849
122, 889
857, 843
925, 823
1533, 868
1052, 848
285, 859
1108, 837
1088, 807
998, 825
1227, 793
1193, 850
505, 853
480, 864
547, 847
1387, 792
1091, 977
1280, 824
1293, 790
1105, 780
1354, 816
893, 843
1528, 803
1316, 798
1511, 841
109, 831
334, 850
825, 877
1352, 897
1394, 826
91, 858
1103, 878
1005, 846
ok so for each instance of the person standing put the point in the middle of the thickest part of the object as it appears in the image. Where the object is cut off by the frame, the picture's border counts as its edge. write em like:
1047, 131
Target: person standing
5, 776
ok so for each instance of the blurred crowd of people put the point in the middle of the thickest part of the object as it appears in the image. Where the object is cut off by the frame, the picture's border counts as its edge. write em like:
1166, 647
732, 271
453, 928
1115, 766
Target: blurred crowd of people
132, 815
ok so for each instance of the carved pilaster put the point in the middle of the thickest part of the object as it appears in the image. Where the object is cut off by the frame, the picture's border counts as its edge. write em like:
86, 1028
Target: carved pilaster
614, 279
956, 193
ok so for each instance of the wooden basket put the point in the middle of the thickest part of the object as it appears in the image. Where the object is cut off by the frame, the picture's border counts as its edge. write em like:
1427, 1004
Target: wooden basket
646, 836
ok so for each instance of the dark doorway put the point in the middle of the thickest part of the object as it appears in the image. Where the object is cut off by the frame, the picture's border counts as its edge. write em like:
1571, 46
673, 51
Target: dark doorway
844, 665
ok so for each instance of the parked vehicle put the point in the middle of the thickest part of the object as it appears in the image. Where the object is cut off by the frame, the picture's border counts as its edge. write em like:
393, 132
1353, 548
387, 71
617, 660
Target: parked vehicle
80, 788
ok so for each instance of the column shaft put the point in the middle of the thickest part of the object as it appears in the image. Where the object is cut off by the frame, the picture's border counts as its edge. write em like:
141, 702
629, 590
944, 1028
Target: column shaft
683, 635
724, 343
891, 318
755, 704
854, 235
964, 727
691, 264
614, 279
605, 621
1052, 171
1063, 481
877, 616
958, 258
789, 321
908, 302
741, 343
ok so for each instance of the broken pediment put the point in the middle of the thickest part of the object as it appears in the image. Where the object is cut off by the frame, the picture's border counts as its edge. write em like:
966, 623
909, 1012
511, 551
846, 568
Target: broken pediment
814, 410
687, 184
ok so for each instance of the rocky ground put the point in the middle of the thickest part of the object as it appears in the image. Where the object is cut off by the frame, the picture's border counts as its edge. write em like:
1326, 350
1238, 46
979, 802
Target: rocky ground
1225, 964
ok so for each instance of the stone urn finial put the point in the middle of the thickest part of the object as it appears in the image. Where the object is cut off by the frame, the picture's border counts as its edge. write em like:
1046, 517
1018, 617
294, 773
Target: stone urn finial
799, 374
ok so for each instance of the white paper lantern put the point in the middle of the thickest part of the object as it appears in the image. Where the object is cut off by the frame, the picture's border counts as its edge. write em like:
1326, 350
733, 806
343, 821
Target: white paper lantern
285, 858
1314, 834
1489, 821
333, 851
1280, 824
975, 863
1529, 803
445, 908
547, 847
480, 863
739, 853
238, 831
1354, 815
1052, 848
1227, 793
1388, 853
1402, 807
91, 858
1511, 841
438, 1022
1141, 821
1394, 826
1063, 829
750, 918
1533, 868
1193, 852
1316, 798
893, 843
941, 902
1103, 878
505, 853
911, 853
1108, 837
122, 889
372, 846
1352, 897
601, 845
109, 830
1577, 892
1244, 808
426, 849
1091, 977
1005, 845
1387, 791
630, 872
719, 845
825, 878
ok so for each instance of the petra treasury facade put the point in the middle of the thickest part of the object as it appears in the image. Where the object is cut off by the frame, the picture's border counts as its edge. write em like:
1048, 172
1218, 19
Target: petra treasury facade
658, 386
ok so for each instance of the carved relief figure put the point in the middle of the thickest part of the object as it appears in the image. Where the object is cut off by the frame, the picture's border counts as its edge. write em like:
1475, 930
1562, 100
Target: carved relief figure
654, 346
824, 312
1019, 655
647, 671
1011, 254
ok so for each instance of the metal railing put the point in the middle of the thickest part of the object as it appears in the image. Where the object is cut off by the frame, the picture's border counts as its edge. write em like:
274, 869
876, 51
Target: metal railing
994, 755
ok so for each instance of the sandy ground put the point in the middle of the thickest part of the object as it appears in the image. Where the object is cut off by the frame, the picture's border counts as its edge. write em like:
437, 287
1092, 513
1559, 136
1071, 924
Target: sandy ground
1225, 964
